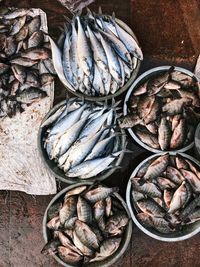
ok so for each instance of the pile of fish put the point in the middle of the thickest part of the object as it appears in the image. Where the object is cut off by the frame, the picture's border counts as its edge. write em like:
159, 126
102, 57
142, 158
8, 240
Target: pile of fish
87, 226
166, 193
82, 139
22, 49
99, 54
164, 110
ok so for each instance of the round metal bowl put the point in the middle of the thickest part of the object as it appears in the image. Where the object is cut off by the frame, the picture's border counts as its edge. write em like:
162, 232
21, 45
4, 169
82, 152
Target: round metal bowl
140, 80
108, 261
186, 233
57, 172
197, 141
119, 91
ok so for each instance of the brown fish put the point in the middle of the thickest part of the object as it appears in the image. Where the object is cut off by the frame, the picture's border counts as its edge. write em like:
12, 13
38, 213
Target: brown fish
148, 138
146, 188
164, 134
178, 199
178, 135
157, 167
68, 255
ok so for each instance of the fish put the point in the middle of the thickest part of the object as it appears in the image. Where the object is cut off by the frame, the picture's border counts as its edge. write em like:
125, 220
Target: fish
17, 13
23, 61
165, 183
157, 167
36, 39
68, 255
67, 209
54, 223
17, 25
167, 197
192, 179
99, 193
178, 199
76, 191
194, 216
148, 138
51, 247
142, 89
178, 135
147, 188
84, 210
156, 84
30, 96
129, 121
150, 207
84, 249
174, 175
164, 134
86, 235
175, 107
116, 224
36, 53
107, 248
34, 25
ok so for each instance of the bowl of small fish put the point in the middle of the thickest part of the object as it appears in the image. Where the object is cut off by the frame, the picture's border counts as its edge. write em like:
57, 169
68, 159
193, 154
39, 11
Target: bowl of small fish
98, 57
163, 196
162, 109
25, 58
87, 225
79, 141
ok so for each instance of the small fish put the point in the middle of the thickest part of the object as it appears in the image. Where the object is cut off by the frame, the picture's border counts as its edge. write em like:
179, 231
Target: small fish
51, 247
142, 89
86, 235
17, 26
53, 211
108, 247
192, 179
22, 34
182, 78
174, 175
68, 255
84, 210
22, 61
17, 13
157, 83
75, 191
68, 209
46, 79
36, 39
165, 183
189, 209
99, 209
129, 121
175, 107
150, 207
99, 193
36, 53
157, 167
3, 68
148, 138
54, 223
116, 224
178, 135
84, 249
147, 188
167, 197
30, 96
178, 199
70, 223
108, 207
164, 134
34, 25
181, 163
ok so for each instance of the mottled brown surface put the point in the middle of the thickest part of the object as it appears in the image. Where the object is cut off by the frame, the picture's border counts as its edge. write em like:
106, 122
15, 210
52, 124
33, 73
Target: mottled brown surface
169, 33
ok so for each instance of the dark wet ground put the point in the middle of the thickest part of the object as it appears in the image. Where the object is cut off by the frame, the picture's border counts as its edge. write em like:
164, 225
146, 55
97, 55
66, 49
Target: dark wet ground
169, 33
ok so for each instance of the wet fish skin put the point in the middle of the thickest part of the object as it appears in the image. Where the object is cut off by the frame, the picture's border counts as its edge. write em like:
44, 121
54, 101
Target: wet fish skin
54, 223
84, 249
174, 175
147, 188
150, 207
178, 135
164, 134
99, 193
22, 61
36, 53
68, 255
178, 199
165, 183
192, 179
84, 210
31, 95
68, 209
86, 235
129, 121
20, 12
157, 167
76, 191
176, 106
148, 138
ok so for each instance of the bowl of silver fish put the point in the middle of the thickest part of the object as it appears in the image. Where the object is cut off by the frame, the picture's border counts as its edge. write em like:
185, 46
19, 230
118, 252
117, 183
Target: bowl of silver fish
163, 196
162, 109
99, 57
87, 225
79, 141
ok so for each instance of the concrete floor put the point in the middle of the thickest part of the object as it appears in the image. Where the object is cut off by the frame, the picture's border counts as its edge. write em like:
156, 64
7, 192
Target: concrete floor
169, 33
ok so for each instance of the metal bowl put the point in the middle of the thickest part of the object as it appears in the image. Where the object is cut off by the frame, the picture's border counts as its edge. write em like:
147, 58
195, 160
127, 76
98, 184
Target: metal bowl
119, 91
186, 233
141, 79
197, 141
108, 261
57, 172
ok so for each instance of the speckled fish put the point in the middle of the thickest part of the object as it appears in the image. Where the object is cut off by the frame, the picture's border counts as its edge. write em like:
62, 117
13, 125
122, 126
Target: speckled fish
148, 138
178, 135
51, 247
68, 209
157, 83
178, 199
86, 235
192, 179
150, 207
17, 13
84, 210
147, 188
68, 255
129, 121
175, 107
165, 183
107, 248
84, 249
157, 167
31, 95
164, 134
174, 175
116, 223
99, 193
